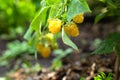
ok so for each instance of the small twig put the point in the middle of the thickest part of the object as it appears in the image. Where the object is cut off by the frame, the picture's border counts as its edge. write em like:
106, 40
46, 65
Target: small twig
92, 72
117, 64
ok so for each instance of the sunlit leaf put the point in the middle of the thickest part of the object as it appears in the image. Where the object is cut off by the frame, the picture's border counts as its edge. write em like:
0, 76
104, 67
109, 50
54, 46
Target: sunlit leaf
52, 2
103, 76
40, 19
53, 11
67, 40
27, 35
76, 7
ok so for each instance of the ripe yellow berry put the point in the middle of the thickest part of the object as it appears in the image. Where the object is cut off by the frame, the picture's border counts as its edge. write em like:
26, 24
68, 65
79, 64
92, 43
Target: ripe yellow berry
44, 51
54, 25
71, 29
78, 18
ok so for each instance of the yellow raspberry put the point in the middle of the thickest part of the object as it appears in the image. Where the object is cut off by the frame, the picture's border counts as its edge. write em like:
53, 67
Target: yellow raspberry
71, 29
78, 18
54, 25
45, 52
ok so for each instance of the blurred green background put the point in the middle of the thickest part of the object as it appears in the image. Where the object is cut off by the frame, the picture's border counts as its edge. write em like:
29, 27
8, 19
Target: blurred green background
15, 16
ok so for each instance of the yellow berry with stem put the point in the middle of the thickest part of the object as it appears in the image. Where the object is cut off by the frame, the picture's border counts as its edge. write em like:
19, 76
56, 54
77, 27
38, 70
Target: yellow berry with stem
43, 50
54, 25
78, 18
71, 29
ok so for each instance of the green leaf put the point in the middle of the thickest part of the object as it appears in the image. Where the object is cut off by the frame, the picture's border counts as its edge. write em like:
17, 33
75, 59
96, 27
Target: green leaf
103, 75
109, 77
67, 41
108, 45
40, 19
117, 48
53, 11
57, 64
115, 37
100, 76
105, 47
76, 7
82, 78
53, 2
61, 54
58, 52
68, 51
99, 17
28, 35
111, 4
14, 49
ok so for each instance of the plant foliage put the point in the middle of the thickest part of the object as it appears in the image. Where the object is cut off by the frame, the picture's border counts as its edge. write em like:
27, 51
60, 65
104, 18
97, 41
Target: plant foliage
107, 8
15, 14
64, 10
14, 49
110, 44
103, 76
